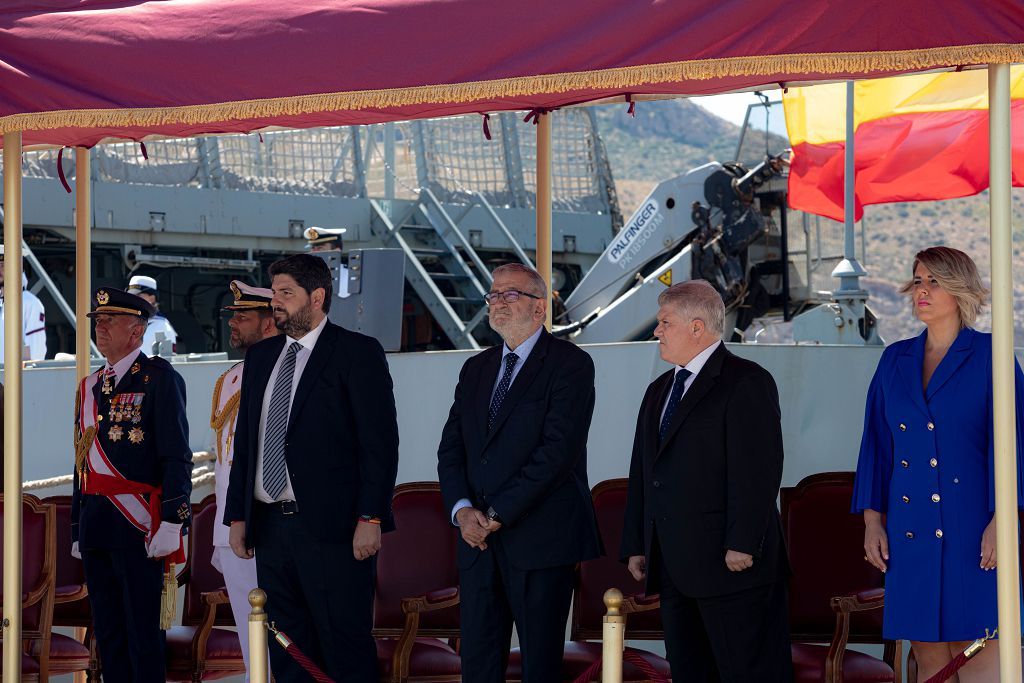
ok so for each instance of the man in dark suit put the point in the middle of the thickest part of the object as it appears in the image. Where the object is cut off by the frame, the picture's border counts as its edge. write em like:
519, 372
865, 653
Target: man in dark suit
513, 469
701, 521
316, 456
132, 483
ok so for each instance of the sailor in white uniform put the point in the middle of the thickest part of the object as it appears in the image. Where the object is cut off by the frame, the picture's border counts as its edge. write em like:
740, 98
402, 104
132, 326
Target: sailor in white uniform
252, 320
33, 319
145, 286
329, 239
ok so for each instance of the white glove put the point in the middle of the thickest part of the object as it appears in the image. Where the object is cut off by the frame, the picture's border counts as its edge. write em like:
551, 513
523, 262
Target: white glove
165, 541
75, 552
215, 560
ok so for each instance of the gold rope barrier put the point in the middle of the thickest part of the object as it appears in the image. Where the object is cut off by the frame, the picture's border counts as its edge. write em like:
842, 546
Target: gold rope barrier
259, 666
613, 637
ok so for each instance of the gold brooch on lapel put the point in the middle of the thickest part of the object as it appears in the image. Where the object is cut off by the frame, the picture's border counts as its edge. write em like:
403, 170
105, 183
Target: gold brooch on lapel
136, 435
136, 367
115, 433
145, 379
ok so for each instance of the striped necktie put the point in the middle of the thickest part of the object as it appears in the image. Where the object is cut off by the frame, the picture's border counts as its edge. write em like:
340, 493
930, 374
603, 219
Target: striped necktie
276, 430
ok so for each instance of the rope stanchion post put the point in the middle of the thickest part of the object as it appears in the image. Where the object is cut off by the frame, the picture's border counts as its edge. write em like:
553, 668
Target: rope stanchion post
259, 666
613, 637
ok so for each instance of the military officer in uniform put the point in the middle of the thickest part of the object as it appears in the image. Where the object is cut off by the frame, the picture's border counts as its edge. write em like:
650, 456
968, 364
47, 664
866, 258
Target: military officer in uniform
132, 484
325, 240
145, 287
252, 320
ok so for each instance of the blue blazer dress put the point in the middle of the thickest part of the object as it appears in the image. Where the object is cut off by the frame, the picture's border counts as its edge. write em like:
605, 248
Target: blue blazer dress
926, 462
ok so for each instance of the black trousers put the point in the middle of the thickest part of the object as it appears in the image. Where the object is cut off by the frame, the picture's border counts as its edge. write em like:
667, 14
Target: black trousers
124, 593
735, 638
320, 596
494, 595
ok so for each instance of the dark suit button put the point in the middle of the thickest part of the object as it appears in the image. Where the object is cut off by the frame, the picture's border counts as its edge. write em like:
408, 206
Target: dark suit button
664, 517
657, 483
483, 461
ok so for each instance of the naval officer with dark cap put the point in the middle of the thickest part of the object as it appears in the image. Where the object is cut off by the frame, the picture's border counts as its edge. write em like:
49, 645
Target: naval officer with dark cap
132, 484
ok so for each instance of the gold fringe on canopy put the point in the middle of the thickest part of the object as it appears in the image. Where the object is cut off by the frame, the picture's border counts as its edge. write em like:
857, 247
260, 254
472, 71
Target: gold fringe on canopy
622, 78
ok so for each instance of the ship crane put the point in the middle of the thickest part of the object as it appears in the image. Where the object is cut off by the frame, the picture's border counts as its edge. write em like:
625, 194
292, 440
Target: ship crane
715, 223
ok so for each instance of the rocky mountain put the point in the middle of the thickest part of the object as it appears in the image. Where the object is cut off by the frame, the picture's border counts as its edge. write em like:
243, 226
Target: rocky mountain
669, 137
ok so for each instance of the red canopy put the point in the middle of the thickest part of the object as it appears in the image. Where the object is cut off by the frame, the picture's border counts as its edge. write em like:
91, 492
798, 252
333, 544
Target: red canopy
73, 72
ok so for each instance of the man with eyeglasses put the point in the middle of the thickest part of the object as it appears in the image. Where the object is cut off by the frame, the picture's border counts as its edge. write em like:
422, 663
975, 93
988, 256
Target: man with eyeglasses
513, 469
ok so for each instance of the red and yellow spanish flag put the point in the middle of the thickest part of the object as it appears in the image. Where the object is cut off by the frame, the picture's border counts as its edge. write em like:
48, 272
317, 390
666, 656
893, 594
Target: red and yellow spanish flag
919, 137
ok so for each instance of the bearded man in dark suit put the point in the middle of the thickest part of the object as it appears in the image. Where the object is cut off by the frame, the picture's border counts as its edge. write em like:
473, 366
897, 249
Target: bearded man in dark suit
513, 470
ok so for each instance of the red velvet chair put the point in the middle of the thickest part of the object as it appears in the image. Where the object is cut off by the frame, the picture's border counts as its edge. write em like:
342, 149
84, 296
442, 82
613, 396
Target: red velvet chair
71, 603
38, 576
198, 650
835, 596
416, 607
593, 579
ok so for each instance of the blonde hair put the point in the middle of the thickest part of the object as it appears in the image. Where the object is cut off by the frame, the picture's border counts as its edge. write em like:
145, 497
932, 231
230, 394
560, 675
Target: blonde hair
957, 274
697, 299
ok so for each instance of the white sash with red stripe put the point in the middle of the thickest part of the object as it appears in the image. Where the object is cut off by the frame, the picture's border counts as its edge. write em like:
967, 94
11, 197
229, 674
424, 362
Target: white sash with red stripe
132, 505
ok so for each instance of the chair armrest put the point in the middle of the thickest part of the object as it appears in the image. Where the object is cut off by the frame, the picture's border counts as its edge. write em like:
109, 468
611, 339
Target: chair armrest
80, 594
413, 607
202, 634
873, 598
641, 602
431, 602
843, 606
217, 597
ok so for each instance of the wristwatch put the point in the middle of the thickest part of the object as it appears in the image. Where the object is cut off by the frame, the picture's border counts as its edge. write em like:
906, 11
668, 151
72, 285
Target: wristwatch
493, 515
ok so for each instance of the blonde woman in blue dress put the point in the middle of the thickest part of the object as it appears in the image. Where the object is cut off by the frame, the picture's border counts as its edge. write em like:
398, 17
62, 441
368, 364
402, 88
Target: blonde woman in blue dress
925, 473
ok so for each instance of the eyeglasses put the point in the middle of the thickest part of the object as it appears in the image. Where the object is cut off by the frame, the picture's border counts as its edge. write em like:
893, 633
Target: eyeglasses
509, 296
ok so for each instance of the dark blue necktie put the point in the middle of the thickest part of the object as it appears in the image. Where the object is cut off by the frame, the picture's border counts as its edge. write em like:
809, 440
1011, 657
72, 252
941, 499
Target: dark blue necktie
673, 401
499, 393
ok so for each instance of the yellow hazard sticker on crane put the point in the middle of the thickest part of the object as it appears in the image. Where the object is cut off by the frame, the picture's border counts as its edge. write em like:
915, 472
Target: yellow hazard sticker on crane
666, 278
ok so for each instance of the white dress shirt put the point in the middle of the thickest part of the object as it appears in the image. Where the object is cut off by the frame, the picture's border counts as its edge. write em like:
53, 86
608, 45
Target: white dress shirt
523, 350
122, 366
301, 358
695, 365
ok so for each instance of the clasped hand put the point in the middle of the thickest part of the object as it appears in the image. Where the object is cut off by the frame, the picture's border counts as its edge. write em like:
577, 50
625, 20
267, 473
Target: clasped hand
165, 541
475, 527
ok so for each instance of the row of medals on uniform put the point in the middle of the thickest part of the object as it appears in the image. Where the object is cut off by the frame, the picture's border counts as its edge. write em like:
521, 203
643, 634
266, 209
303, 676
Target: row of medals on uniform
124, 408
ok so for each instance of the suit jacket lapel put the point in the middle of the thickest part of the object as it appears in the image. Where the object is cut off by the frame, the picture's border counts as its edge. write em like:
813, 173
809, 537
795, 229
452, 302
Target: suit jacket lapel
260, 377
702, 384
958, 352
661, 393
124, 380
521, 383
910, 366
317, 360
485, 386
